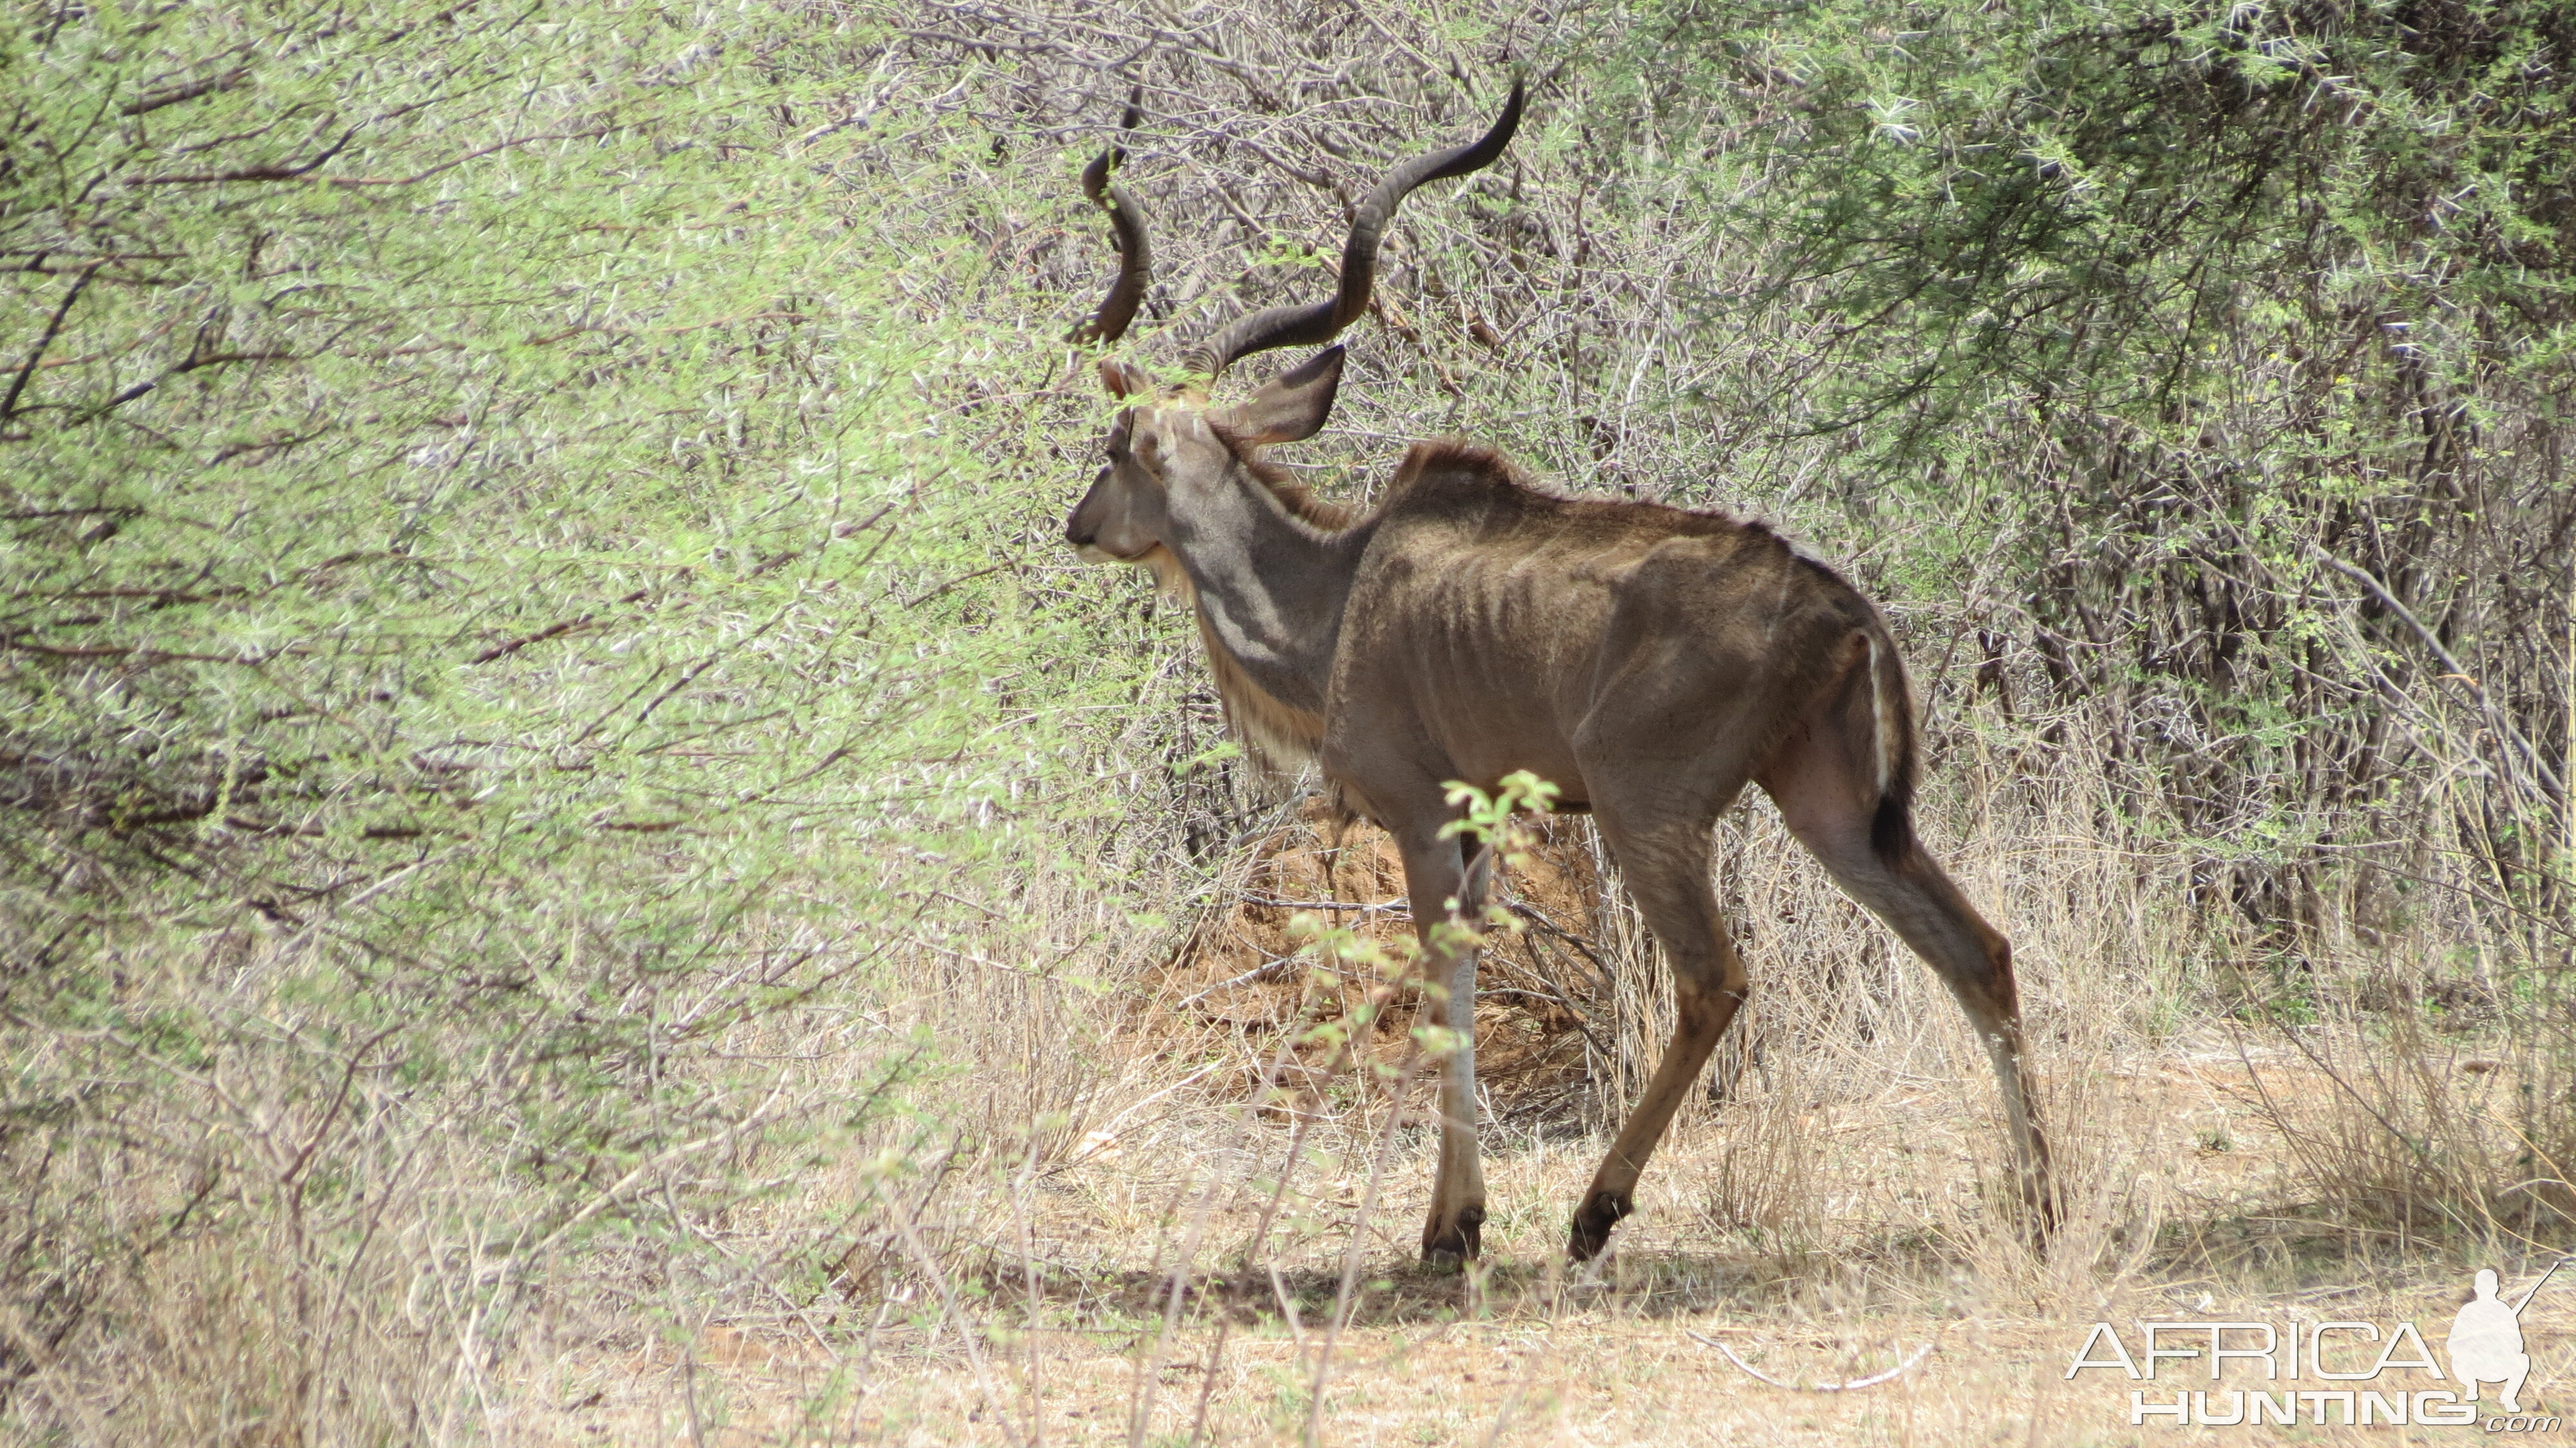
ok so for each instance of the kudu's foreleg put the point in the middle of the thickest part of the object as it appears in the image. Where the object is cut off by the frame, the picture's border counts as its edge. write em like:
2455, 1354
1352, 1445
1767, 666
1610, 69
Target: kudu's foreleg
1435, 873
1667, 868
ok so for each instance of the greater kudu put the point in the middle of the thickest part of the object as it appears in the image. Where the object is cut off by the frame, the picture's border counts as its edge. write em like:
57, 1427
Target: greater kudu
1648, 660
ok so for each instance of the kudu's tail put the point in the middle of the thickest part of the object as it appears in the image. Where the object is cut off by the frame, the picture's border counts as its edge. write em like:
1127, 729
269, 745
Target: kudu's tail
1891, 827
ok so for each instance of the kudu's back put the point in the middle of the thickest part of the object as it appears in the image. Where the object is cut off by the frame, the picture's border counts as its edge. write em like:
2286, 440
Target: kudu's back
1493, 627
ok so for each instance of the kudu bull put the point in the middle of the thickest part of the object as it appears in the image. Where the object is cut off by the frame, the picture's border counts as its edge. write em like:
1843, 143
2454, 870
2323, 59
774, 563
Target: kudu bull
1648, 660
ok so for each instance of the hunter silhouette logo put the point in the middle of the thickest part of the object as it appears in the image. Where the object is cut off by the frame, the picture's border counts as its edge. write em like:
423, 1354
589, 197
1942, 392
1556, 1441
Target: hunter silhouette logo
2356, 1388
2486, 1339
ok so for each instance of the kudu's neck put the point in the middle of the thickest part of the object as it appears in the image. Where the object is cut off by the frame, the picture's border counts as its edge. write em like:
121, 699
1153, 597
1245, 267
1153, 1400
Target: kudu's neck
1270, 585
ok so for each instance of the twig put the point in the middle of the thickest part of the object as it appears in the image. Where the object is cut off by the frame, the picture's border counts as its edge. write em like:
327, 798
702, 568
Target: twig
552, 630
1547, 926
957, 1320
149, 102
1149, 1380
280, 171
1399, 903
921, 598
1871, 1381
1342, 1295
1267, 970
2458, 670
9, 404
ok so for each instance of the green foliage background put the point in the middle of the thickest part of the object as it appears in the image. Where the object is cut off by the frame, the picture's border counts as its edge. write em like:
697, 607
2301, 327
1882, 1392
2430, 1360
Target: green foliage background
503, 604
2227, 349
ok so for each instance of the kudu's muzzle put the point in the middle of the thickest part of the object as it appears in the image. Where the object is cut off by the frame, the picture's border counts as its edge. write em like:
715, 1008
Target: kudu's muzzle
1082, 525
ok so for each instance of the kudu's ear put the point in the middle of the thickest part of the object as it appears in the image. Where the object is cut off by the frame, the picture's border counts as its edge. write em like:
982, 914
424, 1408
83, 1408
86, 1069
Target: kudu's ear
1290, 406
1124, 379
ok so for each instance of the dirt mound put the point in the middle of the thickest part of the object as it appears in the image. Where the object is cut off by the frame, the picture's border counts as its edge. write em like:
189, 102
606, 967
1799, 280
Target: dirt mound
1250, 969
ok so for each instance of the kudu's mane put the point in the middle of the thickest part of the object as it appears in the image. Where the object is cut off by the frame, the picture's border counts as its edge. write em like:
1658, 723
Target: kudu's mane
1296, 497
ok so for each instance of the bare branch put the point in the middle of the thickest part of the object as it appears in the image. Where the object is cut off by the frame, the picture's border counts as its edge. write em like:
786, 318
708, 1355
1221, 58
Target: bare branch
80, 283
155, 100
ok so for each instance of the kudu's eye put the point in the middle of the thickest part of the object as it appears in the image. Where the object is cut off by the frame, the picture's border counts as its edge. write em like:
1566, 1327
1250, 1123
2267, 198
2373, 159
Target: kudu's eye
1148, 453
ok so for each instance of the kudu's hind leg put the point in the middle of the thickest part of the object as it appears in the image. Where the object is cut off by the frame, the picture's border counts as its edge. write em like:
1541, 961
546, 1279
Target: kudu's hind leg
1820, 798
1435, 873
1665, 858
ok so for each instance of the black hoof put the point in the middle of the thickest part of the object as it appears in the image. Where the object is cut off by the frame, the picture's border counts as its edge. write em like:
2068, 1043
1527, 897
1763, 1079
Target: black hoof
1463, 1242
1592, 1224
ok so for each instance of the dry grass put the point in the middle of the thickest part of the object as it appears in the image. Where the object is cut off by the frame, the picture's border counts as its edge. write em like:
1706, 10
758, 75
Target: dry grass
1839, 1209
